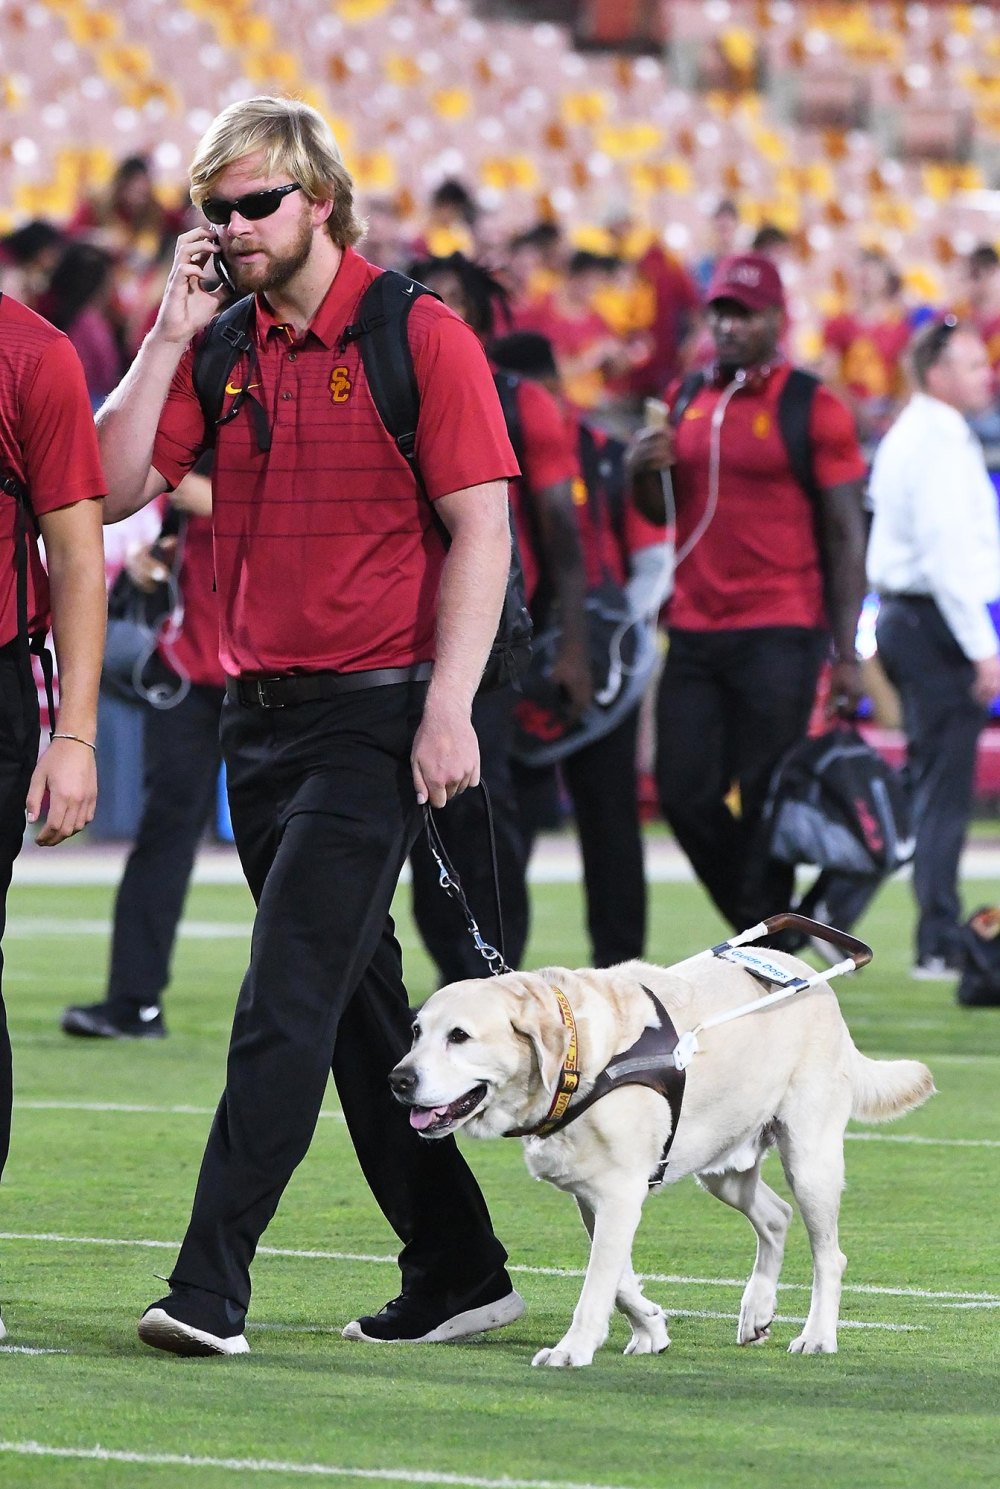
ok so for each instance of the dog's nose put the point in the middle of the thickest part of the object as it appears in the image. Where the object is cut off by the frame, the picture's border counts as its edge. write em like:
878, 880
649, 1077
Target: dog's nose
402, 1081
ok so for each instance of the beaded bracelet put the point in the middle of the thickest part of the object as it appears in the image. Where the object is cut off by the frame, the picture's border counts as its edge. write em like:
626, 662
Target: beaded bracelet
78, 740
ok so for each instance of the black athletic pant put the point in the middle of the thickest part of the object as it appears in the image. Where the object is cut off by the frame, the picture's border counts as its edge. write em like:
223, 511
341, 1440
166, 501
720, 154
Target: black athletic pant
942, 720
463, 829
18, 753
324, 813
602, 786
730, 704
181, 773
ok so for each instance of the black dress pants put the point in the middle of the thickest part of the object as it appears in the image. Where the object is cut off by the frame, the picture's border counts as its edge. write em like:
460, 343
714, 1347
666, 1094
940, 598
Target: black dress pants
730, 704
18, 753
324, 813
942, 720
181, 772
601, 781
463, 829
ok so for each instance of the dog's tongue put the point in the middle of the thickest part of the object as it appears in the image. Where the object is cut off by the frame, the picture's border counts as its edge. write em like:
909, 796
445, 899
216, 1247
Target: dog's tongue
424, 1116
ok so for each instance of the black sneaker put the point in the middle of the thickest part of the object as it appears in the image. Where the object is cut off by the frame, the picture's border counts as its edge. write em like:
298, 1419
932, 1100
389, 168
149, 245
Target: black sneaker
190, 1322
107, 1021
411, 1319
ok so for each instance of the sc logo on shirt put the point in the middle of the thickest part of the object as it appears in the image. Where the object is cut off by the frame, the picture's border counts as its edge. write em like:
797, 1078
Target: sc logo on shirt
340, 385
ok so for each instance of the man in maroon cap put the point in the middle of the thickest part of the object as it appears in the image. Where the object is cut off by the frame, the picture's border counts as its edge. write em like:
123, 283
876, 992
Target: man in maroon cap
766, 473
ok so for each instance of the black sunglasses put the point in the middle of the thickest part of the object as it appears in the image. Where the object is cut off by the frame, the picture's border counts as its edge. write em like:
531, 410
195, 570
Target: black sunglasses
253, 206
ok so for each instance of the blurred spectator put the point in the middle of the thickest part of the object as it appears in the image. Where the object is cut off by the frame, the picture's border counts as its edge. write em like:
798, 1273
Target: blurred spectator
983, 294
982, 271
386, 242
773, 242
535, 263
864, 346
128, 219
934, 557
76, 302
588, 353
450, 225
130, 222
676, 306
27, 257
725, 225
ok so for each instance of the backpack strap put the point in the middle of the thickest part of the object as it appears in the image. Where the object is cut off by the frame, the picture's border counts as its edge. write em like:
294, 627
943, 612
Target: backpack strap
228, 339
381, 332
688, 391
794, 413
25, 522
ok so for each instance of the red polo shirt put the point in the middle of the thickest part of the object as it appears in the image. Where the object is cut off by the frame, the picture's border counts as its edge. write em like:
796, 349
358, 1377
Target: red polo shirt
326, 553
548, 449
757, 562
195, 649
47, 442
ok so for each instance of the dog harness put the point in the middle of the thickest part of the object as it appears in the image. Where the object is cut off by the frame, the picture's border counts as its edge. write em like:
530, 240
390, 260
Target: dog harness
648, 1062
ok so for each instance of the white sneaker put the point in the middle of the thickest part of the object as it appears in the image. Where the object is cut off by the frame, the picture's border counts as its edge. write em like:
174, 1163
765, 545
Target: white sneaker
934, 969
3, 1331
161, 1330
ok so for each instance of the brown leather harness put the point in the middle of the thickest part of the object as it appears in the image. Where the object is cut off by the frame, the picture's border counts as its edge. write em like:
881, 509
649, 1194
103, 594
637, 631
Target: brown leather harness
648, 1062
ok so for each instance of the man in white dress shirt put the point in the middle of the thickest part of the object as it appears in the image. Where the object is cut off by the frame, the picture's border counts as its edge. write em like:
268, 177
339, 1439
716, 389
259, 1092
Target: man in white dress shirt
934, 557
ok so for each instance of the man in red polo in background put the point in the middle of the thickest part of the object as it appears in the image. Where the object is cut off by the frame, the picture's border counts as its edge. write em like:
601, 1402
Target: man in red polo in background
183, 686
353, 641
769, 584
51, 479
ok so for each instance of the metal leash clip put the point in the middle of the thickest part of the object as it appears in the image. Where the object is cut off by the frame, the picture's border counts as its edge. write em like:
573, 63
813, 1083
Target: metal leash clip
451, 884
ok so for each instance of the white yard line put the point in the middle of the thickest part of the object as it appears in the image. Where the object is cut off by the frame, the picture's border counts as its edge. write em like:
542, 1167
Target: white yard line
672, 1279
554, 860
32, 927
24, 1349
265, 1465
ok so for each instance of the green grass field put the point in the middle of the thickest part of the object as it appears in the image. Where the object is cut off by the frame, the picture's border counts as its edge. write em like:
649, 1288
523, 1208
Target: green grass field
107, 1140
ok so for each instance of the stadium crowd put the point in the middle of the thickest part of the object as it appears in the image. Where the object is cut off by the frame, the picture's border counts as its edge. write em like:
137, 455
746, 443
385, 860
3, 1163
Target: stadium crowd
623, 312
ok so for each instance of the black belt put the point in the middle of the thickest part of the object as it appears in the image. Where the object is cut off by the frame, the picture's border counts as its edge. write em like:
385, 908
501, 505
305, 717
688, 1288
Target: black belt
888, 594
309, 687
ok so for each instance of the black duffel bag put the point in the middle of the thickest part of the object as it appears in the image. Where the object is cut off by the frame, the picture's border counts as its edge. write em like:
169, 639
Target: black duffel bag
979, 979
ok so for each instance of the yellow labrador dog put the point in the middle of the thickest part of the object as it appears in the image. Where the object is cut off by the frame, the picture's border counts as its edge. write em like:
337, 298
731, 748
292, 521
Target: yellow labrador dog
490, 1057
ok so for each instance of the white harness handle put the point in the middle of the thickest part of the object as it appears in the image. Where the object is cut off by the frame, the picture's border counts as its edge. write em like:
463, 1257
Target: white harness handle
762, 967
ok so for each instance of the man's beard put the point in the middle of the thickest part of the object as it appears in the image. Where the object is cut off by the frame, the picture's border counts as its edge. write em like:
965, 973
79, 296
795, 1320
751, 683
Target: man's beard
274, 273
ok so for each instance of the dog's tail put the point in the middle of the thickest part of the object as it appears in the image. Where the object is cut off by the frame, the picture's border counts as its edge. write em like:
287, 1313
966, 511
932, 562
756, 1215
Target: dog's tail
883, 1089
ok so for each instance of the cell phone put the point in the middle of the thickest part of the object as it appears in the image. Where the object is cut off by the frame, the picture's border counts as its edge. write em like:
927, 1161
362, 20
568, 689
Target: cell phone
222, 269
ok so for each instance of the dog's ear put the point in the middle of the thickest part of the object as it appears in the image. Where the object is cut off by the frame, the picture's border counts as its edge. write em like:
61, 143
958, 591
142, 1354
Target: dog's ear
537, 1018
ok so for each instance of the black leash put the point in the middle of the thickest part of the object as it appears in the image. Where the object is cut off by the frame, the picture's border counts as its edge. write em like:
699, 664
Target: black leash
452, 886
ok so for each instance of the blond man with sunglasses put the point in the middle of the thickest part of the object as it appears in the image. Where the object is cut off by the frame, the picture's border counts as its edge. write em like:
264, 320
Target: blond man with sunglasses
353, 639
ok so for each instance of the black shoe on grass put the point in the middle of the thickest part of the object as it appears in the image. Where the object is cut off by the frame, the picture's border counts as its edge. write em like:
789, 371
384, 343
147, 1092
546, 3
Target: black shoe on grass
190, 1322
411, 1319
107, 1021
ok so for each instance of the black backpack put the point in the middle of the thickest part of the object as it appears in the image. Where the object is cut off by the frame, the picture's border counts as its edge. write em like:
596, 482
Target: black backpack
836, 803
381, 332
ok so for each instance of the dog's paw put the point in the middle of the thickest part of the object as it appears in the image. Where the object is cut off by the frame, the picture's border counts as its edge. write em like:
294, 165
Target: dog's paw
804, 1345
649, 1335
754, 1328
559, 1356
756, 1315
